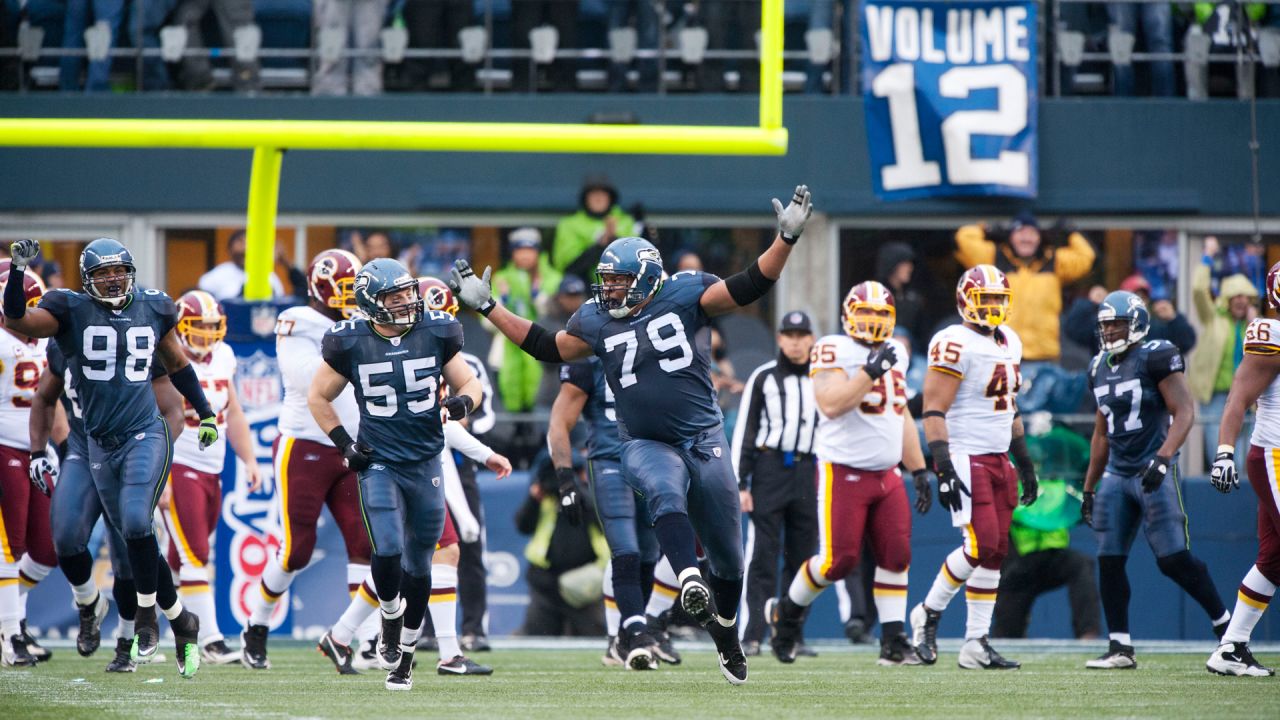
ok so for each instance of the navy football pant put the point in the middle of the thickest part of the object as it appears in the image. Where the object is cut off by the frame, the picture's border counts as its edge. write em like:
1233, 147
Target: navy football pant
403, 510
76, 509
129, 471
624, 517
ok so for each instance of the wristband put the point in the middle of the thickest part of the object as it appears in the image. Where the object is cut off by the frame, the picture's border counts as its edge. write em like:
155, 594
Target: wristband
1228, 449
934, 413
487, 307
37, 454
340, 437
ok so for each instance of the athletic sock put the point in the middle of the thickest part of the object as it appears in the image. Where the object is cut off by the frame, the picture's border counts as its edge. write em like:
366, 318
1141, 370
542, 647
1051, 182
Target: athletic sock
665, 589
126, 596
387, 576
956, 569
1113, 585
30, 574
166, 592
272, 586
1252, 599
980, 601
78, 569
1192, 575
10, 614
808, 583
611, 614
361, 608
199, 599
678, 542
727, 594
890, 593
144, 559
626, 586
443, 608
646, 581
416, 592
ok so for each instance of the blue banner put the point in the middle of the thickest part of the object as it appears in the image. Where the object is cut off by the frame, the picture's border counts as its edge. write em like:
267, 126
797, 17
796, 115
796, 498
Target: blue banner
950, 95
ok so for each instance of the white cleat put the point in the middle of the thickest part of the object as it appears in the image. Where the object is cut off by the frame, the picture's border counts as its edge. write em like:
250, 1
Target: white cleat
1118, 657
1234, 658
978, 654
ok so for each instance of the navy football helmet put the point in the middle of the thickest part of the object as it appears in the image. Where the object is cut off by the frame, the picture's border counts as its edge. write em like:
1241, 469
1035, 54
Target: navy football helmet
636, 266
104, 253
380, 278
1122, 305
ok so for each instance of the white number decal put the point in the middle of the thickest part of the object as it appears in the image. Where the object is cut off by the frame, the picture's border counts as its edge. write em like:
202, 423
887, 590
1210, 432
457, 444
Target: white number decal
1132, 388
388, 406
71, 394
896, 84
610, 406
628, 378
677, 341
387, 394
413, 383
139, 343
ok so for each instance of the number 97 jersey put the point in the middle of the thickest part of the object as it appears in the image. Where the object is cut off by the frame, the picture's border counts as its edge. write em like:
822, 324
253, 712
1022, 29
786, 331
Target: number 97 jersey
980, 420
868, 437
21, 364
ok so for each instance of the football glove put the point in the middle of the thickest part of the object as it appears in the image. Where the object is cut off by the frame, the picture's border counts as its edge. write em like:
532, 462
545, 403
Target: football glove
208, 432
474, 292
880, 361
950, 486
792, 218
1223, 475
1030, 486
922, 479
570, 499
23, 252
357, 456
1154, 473
458, 406
1086, 508
43, 471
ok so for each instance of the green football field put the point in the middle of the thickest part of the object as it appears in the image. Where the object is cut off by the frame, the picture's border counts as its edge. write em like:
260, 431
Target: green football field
571, 684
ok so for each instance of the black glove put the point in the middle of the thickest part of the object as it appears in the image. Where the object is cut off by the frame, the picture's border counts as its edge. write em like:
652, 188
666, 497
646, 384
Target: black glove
949, 488
357, 456
1086, 508
570, 500
924, 489
1154, 473
1030, 486
881, 360
458, 406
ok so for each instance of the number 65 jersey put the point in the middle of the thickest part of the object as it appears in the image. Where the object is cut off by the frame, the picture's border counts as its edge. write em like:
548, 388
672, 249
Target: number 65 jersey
1127, 388
980, 421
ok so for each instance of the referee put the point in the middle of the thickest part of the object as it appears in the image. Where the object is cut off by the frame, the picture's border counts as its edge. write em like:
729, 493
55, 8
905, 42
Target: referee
773, 458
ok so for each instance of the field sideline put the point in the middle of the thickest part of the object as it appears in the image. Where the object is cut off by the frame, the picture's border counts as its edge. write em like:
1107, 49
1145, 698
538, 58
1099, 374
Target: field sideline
555, 682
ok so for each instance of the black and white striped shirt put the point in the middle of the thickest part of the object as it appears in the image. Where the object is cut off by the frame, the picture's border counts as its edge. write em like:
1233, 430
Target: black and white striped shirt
778, 412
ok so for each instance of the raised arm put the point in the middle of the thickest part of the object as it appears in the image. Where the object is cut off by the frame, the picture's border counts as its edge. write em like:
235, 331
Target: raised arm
751, 284
33, 322
540, 343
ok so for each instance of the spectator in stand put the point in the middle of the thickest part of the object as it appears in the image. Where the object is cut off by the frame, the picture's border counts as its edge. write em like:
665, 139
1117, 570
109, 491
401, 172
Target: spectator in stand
377, 244
520, 285
1081, 322
1223, 321
583, 236
358, 22
226, 280
79, 16
646, 17
194, 72
435, 24
731, 25
526, 15
1157, 37
1036, 271
895, 266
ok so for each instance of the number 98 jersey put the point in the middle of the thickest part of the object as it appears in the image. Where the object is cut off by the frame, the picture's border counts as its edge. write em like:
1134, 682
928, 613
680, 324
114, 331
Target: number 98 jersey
657, 363
397, 382
980, 420
1127, 389
21, 364
868, 437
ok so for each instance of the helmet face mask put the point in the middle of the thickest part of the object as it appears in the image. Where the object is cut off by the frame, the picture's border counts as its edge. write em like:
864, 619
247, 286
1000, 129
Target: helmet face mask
869, 313
1123, 321
983, 296
387, 294
202, 324
629, 273
1273, 287
331, 281
107, 272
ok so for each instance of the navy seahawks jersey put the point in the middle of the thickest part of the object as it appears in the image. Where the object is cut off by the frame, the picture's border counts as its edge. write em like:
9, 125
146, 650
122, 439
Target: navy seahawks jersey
110, 355
656, 362
600, 411
1127, 391
397, 383
58, 366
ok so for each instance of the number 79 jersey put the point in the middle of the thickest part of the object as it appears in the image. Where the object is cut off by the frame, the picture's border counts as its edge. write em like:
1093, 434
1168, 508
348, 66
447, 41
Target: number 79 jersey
657, 363
1127, 389
980, 420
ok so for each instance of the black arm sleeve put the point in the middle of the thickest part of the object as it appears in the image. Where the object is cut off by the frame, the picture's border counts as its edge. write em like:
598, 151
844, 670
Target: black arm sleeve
541, 344
1163, 360
15, 298
188, 384
579, 375
748, 286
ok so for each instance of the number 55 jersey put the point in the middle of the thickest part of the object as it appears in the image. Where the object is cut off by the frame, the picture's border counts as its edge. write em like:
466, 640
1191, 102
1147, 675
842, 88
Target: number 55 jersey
980, 420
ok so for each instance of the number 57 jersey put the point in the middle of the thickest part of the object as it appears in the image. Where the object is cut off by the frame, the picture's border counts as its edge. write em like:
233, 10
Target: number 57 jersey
980, 420
1127, 388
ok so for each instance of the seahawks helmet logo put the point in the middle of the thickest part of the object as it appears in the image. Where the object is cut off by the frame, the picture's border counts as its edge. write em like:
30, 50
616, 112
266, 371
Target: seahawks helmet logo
362, 283
1135, 302
650, 254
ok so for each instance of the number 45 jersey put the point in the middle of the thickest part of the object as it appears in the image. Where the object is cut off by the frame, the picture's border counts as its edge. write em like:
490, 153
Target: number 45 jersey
397, 382
1127, 389
980, 421
656, 362
109, 354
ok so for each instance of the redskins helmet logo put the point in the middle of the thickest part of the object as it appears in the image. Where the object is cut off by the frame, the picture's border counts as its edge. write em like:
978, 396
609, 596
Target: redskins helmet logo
326, 268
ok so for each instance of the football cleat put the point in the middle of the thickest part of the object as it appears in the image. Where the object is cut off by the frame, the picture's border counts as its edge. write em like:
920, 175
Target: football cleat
474, 643
733, 664
612, 654
401, 677
253, 647
340, 655
1234, 658
146, 635
856, 631
978, 653
367, 657
186, 633
462, 665
217, 653
389, 640
91, 617
784, 628
14, 653
666, 650
122, 663
924, 633
38, 651
803, 650
641, 649
898, 651
695, 598
1118, 657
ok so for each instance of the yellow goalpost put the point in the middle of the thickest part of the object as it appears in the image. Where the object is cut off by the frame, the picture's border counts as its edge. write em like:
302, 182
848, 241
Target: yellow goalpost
269, 138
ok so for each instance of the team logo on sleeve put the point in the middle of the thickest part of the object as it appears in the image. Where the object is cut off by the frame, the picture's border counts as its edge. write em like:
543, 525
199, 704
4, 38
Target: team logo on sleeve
1175, 362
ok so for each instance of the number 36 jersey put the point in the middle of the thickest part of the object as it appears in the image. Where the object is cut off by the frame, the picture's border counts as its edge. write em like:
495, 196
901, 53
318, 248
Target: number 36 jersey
657, 363
1127, 389
21, 364
109, 353
980, 420
397, 382
868, 437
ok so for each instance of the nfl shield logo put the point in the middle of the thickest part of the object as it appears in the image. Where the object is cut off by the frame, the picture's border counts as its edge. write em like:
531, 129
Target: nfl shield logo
262, 320
258, 381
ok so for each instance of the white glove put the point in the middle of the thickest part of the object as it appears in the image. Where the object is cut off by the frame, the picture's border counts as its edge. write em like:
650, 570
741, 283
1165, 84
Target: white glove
472, 291
791, 219
467, 526
43, 471
23, 252
1223, 475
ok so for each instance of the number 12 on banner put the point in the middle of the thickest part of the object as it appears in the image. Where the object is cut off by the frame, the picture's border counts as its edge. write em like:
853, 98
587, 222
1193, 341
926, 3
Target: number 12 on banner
896, 84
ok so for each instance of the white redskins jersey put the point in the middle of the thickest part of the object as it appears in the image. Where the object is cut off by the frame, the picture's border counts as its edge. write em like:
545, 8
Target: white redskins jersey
216, 372
1263, 338
299, 331
980, 420
21, 365
868, 437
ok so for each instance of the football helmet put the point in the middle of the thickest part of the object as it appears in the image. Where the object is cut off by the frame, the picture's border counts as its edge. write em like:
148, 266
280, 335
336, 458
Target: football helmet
436, 295
983, 295
379, 279
635, 266
1123, 305
869, 313
105, 253
1273, 287
202, 323
32, 284
330, 279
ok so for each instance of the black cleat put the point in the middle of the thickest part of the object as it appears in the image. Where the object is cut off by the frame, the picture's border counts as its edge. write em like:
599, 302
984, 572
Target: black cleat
122, 663
462, 665
1118, 657
1235, 658
695, 598
217, 653
613, 653
924, 633
38, 651
784, 625
401, 677
340, 655
14, 652
897, 650
91, 617
856, 631
975, 654
389, 641
733, 664
474, 643
666, 650
186, 633
641, 649
253, 647
146, 635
